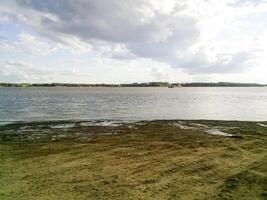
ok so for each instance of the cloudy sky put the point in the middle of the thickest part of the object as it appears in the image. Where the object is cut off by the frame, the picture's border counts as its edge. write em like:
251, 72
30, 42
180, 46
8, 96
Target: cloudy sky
124, 41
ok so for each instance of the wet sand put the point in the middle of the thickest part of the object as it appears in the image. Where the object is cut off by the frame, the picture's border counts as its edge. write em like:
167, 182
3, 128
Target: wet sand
172, 159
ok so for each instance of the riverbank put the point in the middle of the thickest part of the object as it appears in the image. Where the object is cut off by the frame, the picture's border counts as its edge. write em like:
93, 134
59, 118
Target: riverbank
170, 159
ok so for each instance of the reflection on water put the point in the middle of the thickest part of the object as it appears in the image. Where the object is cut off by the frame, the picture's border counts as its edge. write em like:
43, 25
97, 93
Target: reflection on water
40, 104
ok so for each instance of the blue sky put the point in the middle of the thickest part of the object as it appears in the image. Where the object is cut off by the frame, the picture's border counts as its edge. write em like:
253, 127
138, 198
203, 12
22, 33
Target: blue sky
123, 41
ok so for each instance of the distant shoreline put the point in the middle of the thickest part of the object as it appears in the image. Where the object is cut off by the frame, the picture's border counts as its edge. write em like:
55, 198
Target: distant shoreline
148, 84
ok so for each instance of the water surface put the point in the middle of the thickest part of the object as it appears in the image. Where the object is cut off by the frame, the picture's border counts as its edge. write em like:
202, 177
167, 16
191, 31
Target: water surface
220, 103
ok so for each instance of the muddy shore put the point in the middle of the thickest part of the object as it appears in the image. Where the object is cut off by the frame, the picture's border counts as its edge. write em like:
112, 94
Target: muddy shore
164, 159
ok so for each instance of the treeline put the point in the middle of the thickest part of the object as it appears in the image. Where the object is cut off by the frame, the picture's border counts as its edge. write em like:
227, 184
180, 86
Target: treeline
149, 84
222, 84
55, 85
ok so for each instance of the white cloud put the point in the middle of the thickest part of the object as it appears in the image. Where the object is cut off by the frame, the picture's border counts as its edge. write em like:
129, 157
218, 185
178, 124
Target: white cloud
32, 45
13, 71
142, 27
202, 37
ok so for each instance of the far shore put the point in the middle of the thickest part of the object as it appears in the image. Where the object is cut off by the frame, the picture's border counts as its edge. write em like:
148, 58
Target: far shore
147, 84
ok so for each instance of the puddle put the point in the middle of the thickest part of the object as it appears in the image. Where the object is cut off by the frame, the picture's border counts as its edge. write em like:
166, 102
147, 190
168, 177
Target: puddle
62, 136
181, 125
62, 126
5, 123
28, 130
225, 127
262, 125
132, 127
87, 124
115, 133
140, 123
217, 132
204, 128
199, 125
102, 123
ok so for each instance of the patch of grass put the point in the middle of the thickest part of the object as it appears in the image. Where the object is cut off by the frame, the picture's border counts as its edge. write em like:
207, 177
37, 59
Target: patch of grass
154, 160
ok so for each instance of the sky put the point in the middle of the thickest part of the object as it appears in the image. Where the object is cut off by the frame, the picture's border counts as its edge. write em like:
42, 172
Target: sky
126, 41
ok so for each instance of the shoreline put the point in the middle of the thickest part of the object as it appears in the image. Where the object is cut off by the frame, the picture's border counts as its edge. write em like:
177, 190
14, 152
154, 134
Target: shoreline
243, 86
147, 160
121, 120
27, 130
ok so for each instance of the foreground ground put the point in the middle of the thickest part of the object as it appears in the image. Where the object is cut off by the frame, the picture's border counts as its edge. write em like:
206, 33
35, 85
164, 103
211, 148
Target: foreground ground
145, 160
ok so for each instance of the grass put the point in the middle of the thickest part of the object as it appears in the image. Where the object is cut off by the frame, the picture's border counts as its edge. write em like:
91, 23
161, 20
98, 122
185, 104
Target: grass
149, 160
